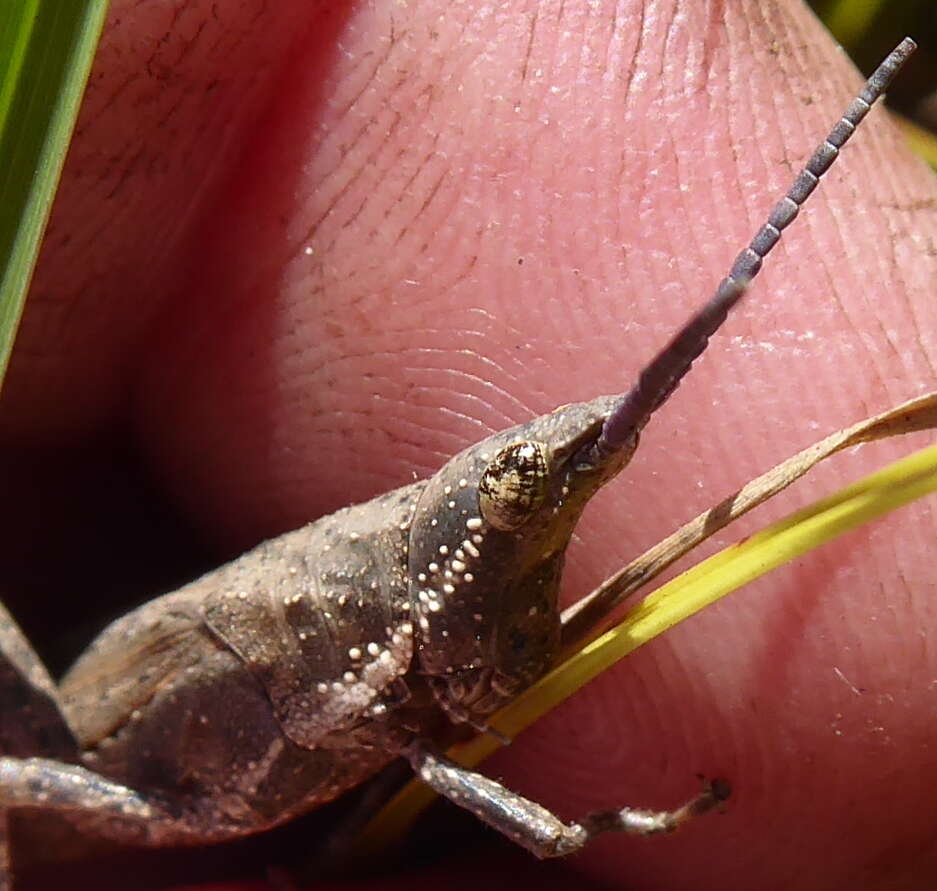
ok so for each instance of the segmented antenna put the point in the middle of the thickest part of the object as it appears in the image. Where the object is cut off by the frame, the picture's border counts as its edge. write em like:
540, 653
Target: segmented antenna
660, 378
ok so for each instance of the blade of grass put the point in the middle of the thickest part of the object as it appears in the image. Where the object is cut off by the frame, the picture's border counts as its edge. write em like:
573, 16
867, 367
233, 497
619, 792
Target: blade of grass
869, 498
45, 57
16, 27
921, 141
593, 614
850, 20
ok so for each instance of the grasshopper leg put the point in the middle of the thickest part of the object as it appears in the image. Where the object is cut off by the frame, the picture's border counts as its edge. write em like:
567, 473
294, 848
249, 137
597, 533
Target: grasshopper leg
33, 723
53, 785
533, 826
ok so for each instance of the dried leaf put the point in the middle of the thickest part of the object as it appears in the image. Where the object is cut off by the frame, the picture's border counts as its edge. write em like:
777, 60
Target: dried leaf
590, 616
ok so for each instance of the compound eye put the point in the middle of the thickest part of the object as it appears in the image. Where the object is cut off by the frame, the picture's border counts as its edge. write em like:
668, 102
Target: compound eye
514, 485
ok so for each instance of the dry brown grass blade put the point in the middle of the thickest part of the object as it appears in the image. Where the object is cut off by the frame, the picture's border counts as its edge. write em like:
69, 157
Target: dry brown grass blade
590, 616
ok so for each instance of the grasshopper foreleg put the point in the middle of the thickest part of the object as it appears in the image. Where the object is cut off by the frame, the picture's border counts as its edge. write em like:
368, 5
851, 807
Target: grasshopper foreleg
534, 827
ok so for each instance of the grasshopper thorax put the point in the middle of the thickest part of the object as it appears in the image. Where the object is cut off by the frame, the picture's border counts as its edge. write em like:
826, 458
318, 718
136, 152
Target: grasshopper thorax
486, 553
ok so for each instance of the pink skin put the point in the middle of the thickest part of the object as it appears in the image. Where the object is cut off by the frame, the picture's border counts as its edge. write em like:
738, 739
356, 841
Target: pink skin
301, 258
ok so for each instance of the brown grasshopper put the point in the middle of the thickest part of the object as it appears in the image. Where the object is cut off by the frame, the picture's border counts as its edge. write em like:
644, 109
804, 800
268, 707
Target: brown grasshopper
279, 681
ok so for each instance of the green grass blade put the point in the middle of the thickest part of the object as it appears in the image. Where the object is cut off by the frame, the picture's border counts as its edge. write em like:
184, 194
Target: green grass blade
851, 20
921, 141
15, 31
46, 48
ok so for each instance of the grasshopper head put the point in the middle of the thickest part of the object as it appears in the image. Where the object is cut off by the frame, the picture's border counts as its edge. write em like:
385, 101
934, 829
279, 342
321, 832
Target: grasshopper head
486, 552
490, 531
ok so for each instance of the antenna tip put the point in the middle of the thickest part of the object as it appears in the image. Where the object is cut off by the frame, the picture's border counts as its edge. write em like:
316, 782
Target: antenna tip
900, 54
885, 73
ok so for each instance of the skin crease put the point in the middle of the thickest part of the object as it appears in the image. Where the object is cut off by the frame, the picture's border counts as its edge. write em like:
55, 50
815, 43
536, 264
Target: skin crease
300, 256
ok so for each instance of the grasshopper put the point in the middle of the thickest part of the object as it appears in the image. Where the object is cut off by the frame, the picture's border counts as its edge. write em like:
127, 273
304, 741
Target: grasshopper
274, 684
